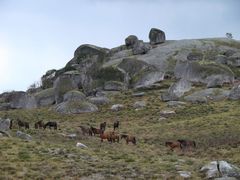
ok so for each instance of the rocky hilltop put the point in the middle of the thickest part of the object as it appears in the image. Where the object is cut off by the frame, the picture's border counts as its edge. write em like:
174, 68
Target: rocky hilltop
94, 71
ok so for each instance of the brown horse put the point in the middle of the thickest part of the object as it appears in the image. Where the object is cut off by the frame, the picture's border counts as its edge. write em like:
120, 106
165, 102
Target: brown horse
106, 135
86, 130
173, 145
129, 138
95, 130
22, 124
186, 144
39, 124
103, 126
116, 125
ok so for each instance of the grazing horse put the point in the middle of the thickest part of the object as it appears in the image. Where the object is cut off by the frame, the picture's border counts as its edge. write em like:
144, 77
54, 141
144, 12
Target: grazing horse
173, 145
129, 138
95, 130
107, 135
86, 130
50, 124
22, 124
103, 126
115, 125
186, 144
39, 124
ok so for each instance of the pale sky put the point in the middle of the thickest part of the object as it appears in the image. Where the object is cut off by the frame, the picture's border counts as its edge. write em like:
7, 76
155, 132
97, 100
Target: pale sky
38, 35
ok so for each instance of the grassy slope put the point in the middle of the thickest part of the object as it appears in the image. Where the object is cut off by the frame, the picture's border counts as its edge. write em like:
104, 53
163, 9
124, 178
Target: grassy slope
214, 126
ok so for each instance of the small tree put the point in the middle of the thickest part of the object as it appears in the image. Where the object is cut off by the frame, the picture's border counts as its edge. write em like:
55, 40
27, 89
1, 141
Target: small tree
229, 35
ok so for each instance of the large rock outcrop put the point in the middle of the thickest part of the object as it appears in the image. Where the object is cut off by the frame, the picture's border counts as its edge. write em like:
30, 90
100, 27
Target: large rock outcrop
235, 93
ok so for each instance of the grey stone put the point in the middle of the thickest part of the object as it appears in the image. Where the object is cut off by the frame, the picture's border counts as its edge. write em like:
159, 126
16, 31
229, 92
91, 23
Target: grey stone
185, 174
45, 97
74, 95
139, 94
178, 89
221, 59
81, 145
5, 124
117, 107
156, 36
167, 113
62, 85
140, 48
202, 96
195, 56
139, 104
235, 93
101, 100
114, 86
176, 103
23, 135
226, 170
234, 60
75, 107
131, 40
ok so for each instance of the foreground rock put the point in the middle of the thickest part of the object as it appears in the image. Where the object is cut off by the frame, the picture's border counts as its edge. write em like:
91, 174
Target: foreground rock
167, 113
175, 103
23, 135
220, 169
75, 107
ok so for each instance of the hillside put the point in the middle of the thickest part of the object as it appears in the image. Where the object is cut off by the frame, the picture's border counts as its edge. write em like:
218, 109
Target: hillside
159, 91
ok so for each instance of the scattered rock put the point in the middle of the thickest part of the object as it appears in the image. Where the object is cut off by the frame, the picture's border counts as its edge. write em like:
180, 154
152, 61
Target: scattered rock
117, 107
216, 82
234, 60
225, 170
221, 59
156, 36
175, 103
167, 113
101, 100
162, 118
235, 93
80, 145
139, 94
139, 104
23, 135
195, 56
185, 174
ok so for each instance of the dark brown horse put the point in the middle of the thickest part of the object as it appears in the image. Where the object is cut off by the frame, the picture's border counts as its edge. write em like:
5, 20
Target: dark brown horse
86, 130
39, 125
22, 124
103, 126
186, 144
116, 125
50, 124
173, 145
129, 138
95, 130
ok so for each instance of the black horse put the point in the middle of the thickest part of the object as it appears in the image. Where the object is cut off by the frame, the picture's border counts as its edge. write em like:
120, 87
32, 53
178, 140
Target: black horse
50, 124
103, 126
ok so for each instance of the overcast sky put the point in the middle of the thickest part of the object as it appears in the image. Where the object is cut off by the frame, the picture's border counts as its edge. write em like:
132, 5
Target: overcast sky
38, 35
